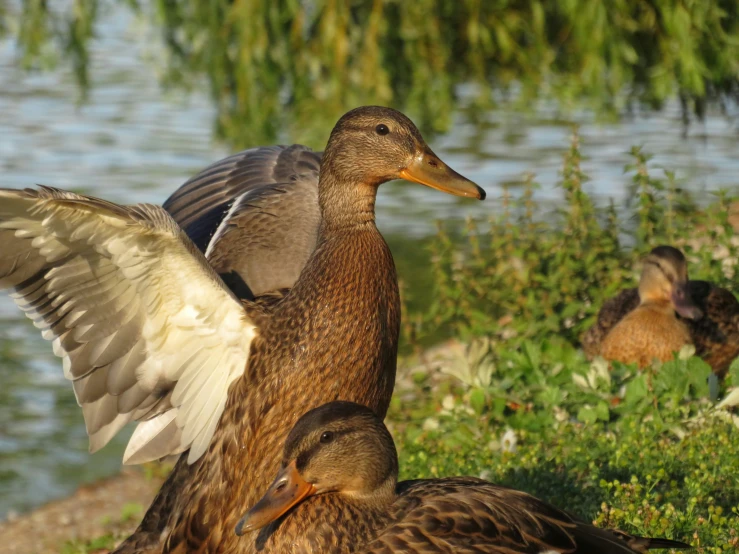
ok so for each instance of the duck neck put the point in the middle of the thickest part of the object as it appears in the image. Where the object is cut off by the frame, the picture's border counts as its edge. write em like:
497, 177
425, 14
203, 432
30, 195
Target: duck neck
336, 523
377, 500
655, 301
345, 204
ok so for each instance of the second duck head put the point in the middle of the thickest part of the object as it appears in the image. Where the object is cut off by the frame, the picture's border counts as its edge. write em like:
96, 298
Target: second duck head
664, 277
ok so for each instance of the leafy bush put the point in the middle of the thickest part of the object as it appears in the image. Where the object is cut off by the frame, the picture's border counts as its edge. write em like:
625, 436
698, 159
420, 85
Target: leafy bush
644, 451
641, 451
530, 274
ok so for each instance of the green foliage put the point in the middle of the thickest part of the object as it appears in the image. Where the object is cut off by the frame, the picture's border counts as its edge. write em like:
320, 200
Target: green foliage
319, 58
104, 543
643, 452
529, 274
132, 511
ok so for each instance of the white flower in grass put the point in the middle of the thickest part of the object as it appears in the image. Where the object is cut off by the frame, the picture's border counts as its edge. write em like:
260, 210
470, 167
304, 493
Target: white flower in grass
598, 376
686, 352
448, 403
431, 424
509, 441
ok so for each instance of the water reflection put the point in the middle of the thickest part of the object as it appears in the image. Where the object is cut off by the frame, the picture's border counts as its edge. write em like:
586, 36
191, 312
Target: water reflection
131, 141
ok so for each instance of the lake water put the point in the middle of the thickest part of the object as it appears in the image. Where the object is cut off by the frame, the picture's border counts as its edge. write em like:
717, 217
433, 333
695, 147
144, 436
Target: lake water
131, 141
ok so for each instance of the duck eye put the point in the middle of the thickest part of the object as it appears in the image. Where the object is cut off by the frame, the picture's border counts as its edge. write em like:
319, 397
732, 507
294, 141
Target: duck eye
327, 437
382, 129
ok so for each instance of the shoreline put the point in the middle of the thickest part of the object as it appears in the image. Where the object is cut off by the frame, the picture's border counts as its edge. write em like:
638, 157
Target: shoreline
111, 507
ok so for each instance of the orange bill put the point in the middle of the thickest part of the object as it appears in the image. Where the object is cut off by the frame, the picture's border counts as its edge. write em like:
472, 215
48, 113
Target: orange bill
427, 169
287, 490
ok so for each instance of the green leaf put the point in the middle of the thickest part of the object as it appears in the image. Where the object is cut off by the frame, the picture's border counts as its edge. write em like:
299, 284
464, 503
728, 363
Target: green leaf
478, 400
733, 377
587, 414
636, 389
602, 412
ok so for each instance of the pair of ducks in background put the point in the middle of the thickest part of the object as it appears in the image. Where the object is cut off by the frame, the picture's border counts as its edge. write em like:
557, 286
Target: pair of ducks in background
260, 291
666, 312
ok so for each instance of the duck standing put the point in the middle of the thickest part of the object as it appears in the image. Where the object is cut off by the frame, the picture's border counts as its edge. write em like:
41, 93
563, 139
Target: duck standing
149, 332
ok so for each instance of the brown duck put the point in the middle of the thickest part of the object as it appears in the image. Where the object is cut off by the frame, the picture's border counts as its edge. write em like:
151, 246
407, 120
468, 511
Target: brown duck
337, 492
148, 331
666, 312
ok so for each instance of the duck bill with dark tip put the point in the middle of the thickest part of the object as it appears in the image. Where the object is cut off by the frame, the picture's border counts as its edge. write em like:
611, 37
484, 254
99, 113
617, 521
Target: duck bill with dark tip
427, 169
683, 302
287, 490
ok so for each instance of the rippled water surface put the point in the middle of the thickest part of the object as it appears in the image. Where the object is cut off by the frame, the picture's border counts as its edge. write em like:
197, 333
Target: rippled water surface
131, 141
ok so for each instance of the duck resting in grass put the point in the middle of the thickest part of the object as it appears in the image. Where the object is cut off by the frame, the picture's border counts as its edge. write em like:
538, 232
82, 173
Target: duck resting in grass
666, 312
337, 492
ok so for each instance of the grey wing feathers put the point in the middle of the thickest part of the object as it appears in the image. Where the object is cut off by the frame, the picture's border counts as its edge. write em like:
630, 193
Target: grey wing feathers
255, 214
141, 321
266, 238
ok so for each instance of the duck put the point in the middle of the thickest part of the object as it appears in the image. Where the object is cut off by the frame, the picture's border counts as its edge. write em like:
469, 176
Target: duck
337, 491
149, 332
666, 312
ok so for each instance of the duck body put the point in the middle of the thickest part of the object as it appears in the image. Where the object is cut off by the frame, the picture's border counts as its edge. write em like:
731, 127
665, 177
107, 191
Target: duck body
336, 493
206, 507
651, 331
451, 515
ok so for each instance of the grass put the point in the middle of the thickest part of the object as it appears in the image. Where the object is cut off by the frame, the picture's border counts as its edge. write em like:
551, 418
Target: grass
105, 543
532, 271
642, 452
645, 452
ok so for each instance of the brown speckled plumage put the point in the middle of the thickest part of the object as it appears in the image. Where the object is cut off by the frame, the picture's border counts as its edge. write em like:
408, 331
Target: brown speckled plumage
647, 333
355, 505
715, 334
333, 335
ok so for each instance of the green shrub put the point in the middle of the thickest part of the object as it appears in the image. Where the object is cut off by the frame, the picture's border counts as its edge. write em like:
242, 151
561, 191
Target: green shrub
526, 274
643, 452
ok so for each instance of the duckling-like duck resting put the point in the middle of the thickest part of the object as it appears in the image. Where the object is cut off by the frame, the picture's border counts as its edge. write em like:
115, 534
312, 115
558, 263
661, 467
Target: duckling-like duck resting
149, 332
666, 312
337, 492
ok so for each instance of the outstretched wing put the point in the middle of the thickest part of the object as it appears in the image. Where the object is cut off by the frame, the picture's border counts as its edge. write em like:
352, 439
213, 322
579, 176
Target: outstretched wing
255, 215
146, 329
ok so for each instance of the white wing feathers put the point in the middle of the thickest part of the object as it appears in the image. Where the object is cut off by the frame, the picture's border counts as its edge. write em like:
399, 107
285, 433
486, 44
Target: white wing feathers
146, 329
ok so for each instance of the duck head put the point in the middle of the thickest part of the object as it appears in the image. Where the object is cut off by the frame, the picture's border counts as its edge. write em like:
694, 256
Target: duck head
341, 448
372, 145
665, 278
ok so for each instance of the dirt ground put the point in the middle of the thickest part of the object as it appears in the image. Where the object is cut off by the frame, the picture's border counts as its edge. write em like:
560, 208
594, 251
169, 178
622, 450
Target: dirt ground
111, 506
